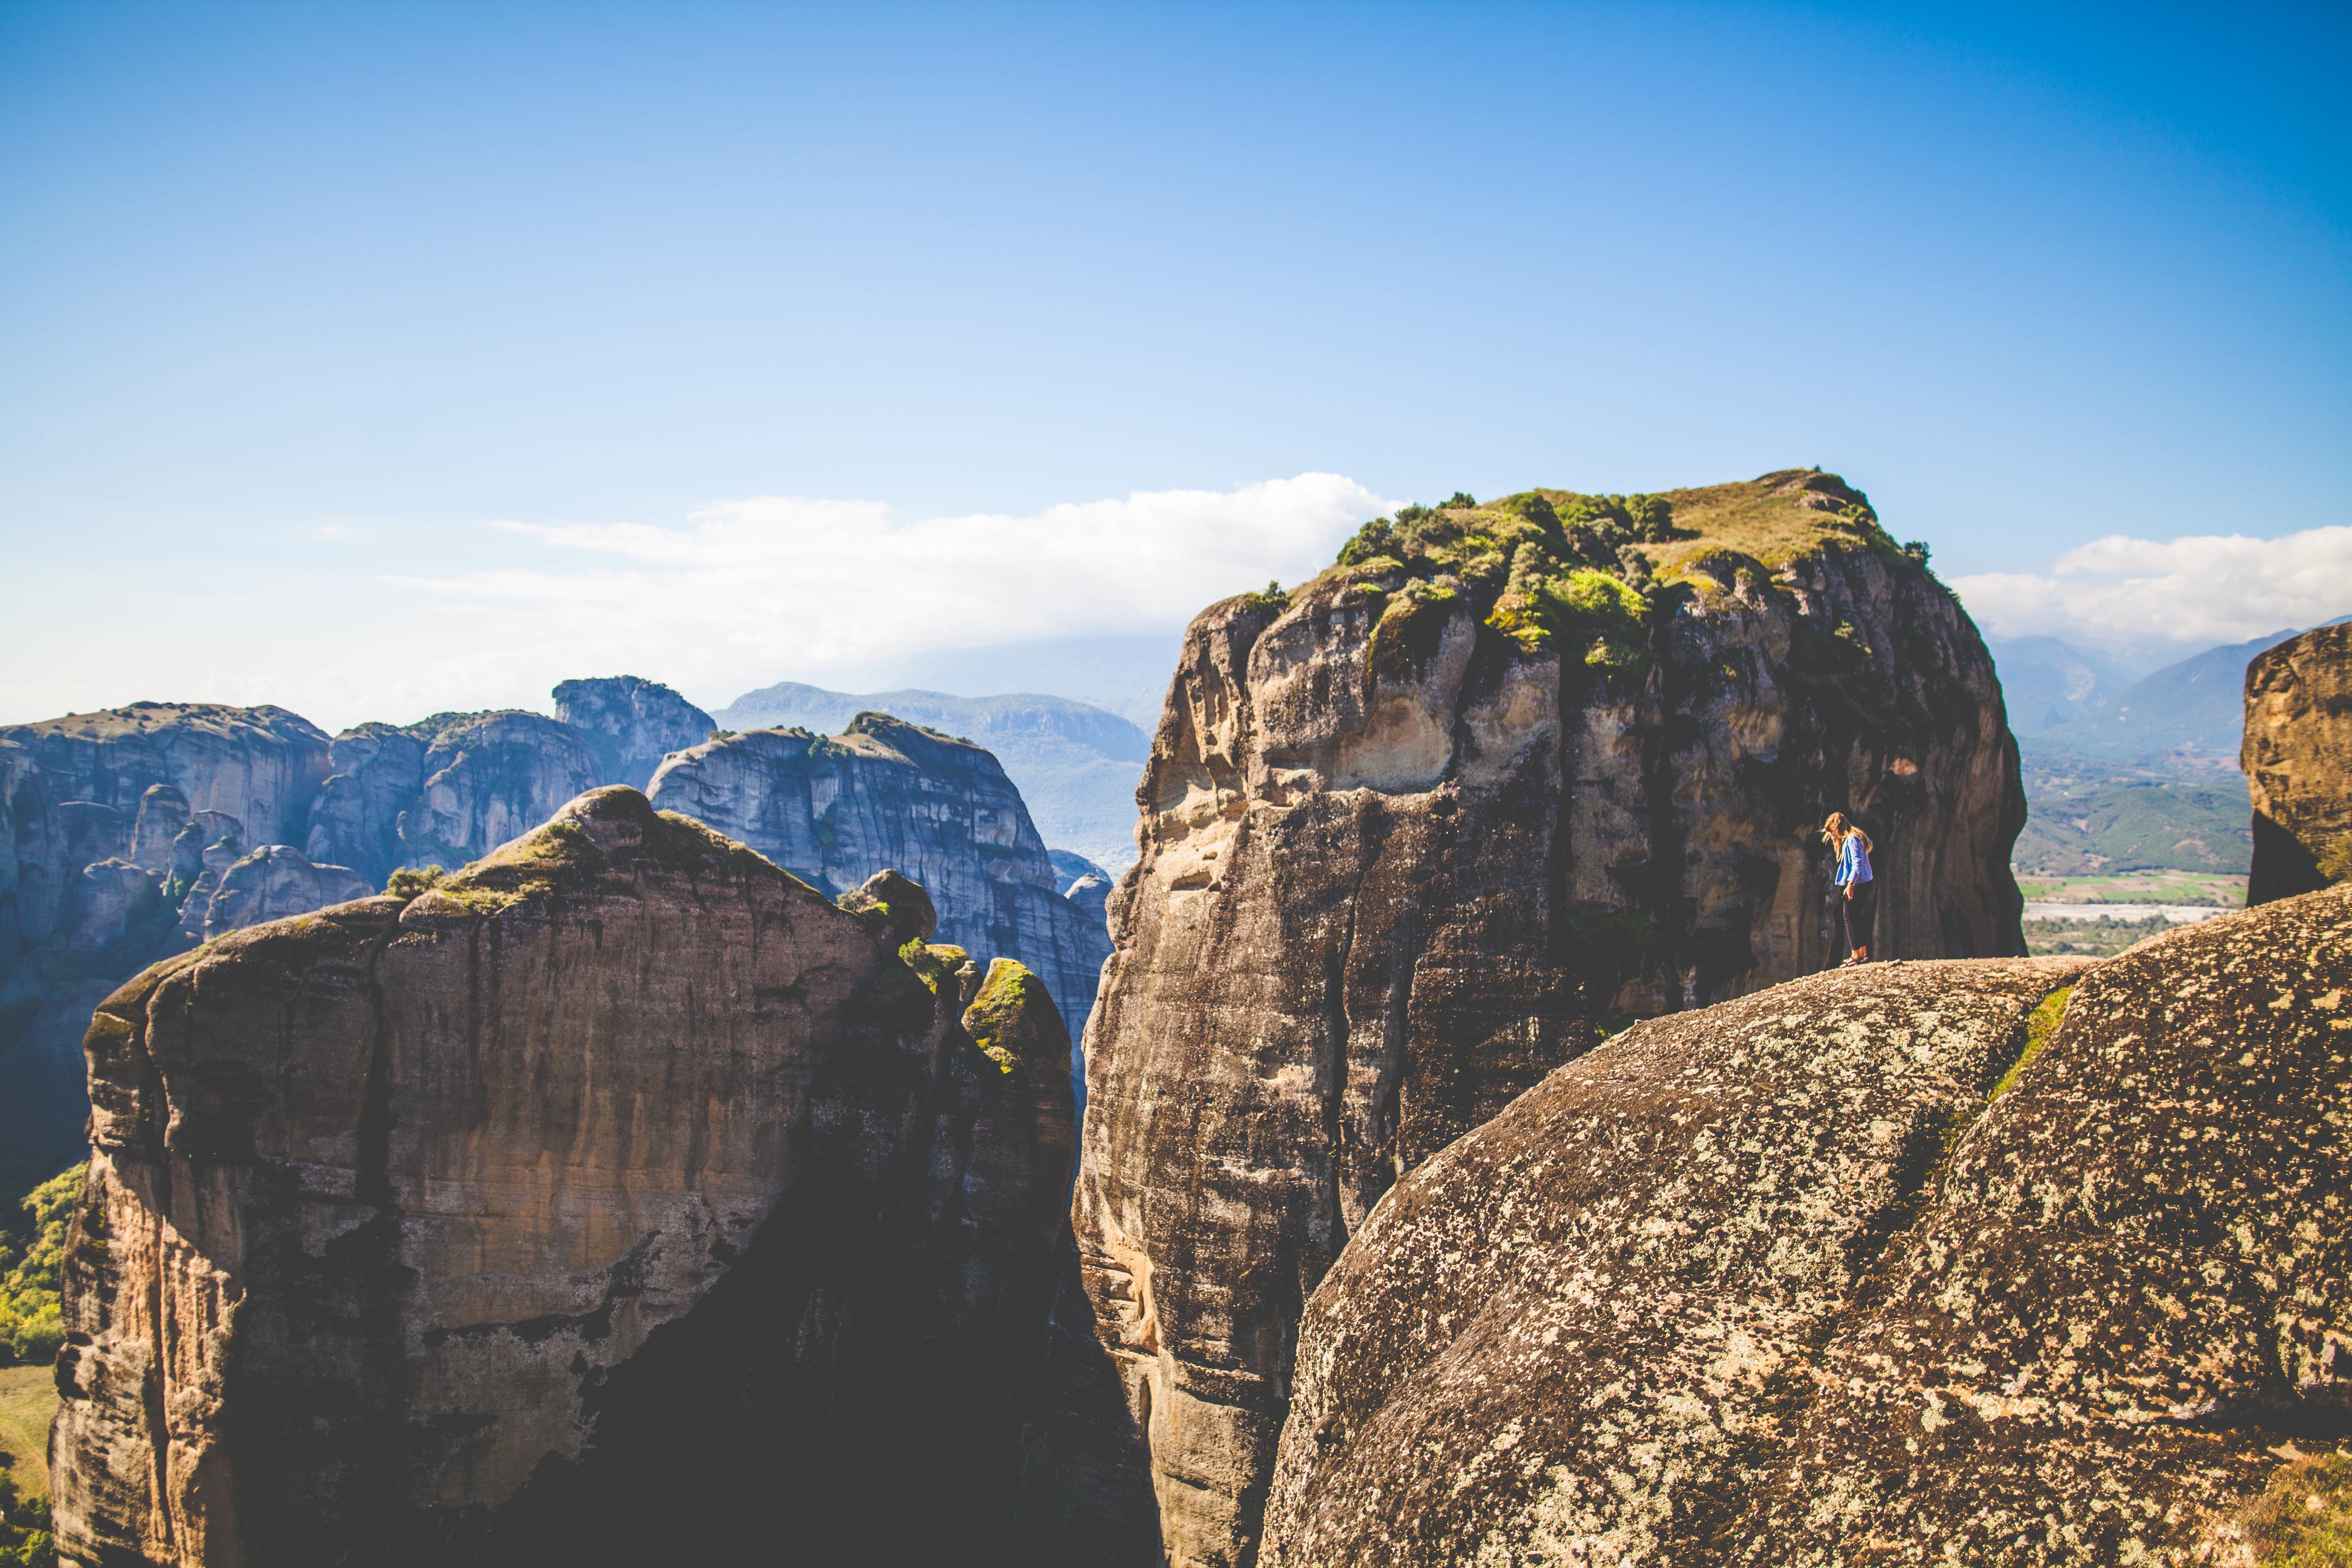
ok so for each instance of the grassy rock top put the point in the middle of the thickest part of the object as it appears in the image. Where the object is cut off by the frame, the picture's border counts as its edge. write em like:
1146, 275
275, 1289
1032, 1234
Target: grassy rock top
1013, 1017
1558, 569
606, 831
141, 718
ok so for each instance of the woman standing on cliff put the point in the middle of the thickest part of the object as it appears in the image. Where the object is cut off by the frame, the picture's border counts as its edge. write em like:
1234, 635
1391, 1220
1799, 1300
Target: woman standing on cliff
1859, 899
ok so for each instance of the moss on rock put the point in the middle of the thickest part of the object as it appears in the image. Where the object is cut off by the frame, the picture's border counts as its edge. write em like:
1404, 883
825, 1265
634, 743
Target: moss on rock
1013, 1015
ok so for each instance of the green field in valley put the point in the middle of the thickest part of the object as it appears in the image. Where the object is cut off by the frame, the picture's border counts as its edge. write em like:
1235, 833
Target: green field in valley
28, 1398
2134, 887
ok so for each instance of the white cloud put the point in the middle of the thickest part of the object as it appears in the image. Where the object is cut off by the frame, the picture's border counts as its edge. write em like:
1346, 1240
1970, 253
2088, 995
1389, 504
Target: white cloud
786, 587
2150, 594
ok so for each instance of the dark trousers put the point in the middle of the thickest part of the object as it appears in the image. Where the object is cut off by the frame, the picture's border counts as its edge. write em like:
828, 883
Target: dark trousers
1858, 913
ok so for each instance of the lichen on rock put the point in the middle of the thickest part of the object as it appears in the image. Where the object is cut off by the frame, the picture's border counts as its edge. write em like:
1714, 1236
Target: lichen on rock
1783, 1277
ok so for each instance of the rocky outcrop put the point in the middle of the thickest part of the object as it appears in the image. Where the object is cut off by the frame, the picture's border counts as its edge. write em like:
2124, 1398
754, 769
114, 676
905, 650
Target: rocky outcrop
1424, 829
378, 772
2298, 757
489, 778
631, 724
274, 882
260, 765
1075, 764
100, 855
1875, 1266
613, 1197
885, 793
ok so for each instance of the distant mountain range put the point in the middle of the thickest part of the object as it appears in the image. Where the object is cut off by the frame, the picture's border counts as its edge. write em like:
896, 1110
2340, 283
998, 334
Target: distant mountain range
1075, 764
2081, 700
2125, 772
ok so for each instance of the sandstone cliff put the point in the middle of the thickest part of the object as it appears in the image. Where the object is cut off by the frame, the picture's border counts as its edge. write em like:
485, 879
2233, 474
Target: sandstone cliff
631, 723
886, 794
1413, 831
2297, 756
596, 1204
1875, 1267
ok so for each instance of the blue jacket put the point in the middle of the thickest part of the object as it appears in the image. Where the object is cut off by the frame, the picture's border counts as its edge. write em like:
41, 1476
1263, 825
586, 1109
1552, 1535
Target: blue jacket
1853, 860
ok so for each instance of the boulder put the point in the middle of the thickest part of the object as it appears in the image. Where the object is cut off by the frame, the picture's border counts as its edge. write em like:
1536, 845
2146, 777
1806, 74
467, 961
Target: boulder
1873, 1267
2297, 756
899, 901
631, 724
1426, 828
609, 1202
274, 882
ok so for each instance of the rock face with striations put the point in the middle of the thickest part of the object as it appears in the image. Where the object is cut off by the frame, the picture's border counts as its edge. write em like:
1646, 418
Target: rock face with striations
489, 778
631, 723
885, 793
105, 822
1412, 833
274, 882
609, 1200
1865, 1269
2297, 756
259, 765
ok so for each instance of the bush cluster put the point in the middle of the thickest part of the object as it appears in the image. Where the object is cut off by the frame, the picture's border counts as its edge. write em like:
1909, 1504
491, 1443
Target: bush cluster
1557, 575
32, 1324
24, 1541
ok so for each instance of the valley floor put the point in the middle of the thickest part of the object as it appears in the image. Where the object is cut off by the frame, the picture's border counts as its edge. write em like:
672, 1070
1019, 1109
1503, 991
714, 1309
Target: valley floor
2201, 888
28, 1398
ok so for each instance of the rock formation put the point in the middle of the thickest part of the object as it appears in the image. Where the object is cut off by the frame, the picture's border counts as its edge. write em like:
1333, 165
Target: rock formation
275, 882
378, 771
1868, 1267
632, 724
885, 793
1075, 764
259, 765
611, 1198
489, 779
105, 822
2298, 761
1415, 831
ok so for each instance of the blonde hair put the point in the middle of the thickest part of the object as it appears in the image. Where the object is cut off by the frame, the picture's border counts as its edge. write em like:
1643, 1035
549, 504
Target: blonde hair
1835, 829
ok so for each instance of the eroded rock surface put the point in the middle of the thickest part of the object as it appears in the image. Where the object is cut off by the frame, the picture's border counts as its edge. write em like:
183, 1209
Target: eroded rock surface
260, 765
2297, 756
378, 771
609, 1200
489, 778
631, 723
1717, 1293
1412, 833
836, 809
275, 882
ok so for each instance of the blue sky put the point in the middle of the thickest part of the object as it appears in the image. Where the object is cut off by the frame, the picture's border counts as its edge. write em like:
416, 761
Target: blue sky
298, 303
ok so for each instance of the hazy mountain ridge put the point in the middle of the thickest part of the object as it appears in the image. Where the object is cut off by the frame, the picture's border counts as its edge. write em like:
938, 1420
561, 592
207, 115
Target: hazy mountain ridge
1075, 764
